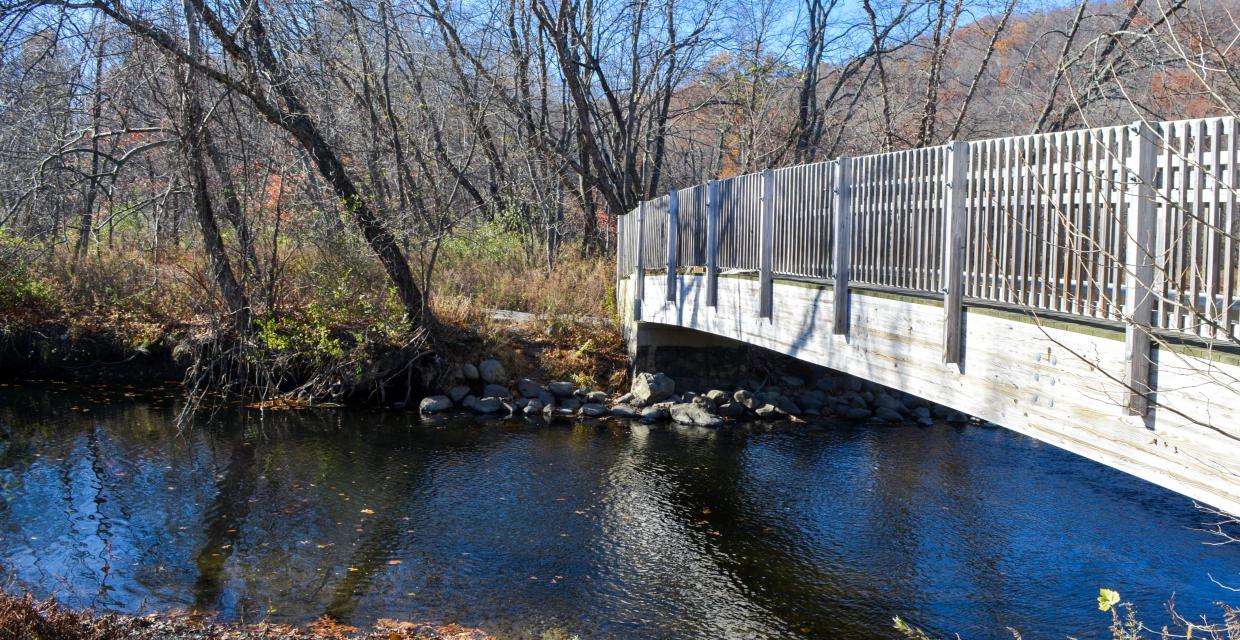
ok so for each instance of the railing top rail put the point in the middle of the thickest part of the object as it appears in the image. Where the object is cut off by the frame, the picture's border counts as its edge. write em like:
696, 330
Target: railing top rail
1157, 124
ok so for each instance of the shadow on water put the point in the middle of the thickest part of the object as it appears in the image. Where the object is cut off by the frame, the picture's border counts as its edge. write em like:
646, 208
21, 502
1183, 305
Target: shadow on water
594, 529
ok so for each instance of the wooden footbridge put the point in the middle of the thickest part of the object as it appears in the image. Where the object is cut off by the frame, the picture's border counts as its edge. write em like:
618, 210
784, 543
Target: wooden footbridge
1080, 287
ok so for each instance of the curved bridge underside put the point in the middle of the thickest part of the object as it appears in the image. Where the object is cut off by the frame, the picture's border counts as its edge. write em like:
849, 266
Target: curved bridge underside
1057, 381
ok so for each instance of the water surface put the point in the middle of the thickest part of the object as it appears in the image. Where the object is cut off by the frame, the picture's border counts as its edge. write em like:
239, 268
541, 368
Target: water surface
596, 529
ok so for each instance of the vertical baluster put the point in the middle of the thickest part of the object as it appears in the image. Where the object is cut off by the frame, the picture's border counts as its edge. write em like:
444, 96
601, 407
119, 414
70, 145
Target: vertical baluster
842, 210
712, 243
765, 258
953, 251
1139, 270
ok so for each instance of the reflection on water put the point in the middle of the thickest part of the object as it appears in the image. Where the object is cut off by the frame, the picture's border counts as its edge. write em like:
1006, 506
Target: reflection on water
597, 530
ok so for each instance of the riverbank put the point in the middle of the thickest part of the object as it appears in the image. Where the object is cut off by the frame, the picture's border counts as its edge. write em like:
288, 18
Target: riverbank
26, 618
333, 336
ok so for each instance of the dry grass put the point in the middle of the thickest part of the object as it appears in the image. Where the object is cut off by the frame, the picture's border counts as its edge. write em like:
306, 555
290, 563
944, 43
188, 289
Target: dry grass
334, 294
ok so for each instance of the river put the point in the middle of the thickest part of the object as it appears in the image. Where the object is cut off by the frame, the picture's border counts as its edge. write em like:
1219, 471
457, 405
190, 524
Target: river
590, 529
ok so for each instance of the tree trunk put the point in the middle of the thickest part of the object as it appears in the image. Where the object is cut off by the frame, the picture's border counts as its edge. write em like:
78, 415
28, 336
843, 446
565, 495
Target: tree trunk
192, 143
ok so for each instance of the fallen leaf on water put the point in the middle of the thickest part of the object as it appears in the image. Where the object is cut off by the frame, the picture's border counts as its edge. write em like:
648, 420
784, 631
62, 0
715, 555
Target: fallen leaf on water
393, 562
369, 512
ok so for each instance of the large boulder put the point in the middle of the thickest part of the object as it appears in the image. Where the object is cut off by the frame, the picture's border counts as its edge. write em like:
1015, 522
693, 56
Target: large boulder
746, 399
857, 413
458, 392
695, 414
492, 371
561, 389
793, 381
767, 411
483, 405
811, 400
704, 402
496, 391
887, 414
649, 388
625, 411
654, 414
434, 404
528, 388
782, 403
488, 405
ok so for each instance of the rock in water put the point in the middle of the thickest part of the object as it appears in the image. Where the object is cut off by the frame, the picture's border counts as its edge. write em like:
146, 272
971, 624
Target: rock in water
458, 392
434, 404
746, 399
624, 411
649, 388
653, 414
492, 371
730, 409
496, 391
695, 414
561, 389
596, 397
593, 409
488, 405
571, 404
528, 388
717, 396
857, 413
766, 411
887, 414
470, 371
811, 400
533, 407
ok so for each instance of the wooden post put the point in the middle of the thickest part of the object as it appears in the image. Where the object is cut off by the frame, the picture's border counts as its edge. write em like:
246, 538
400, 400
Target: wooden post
841, 208
712, 243
673, 242
619, 256
955, 194
639, 272
767, 246
1139, 268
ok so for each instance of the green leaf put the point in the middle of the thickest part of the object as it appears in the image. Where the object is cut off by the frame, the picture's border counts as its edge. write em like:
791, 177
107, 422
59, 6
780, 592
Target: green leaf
1107, 599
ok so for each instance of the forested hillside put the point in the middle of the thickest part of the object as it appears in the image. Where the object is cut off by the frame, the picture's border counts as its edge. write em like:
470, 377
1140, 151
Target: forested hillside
288, 168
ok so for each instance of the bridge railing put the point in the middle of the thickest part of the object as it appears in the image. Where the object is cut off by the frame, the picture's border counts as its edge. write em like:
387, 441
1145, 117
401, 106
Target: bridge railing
1137, 224
1080, 222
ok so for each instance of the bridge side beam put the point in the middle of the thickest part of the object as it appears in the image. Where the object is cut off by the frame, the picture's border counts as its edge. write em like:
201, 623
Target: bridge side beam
841, 207
712, 243
673, 242
1139, 269
956, 183
766, 273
